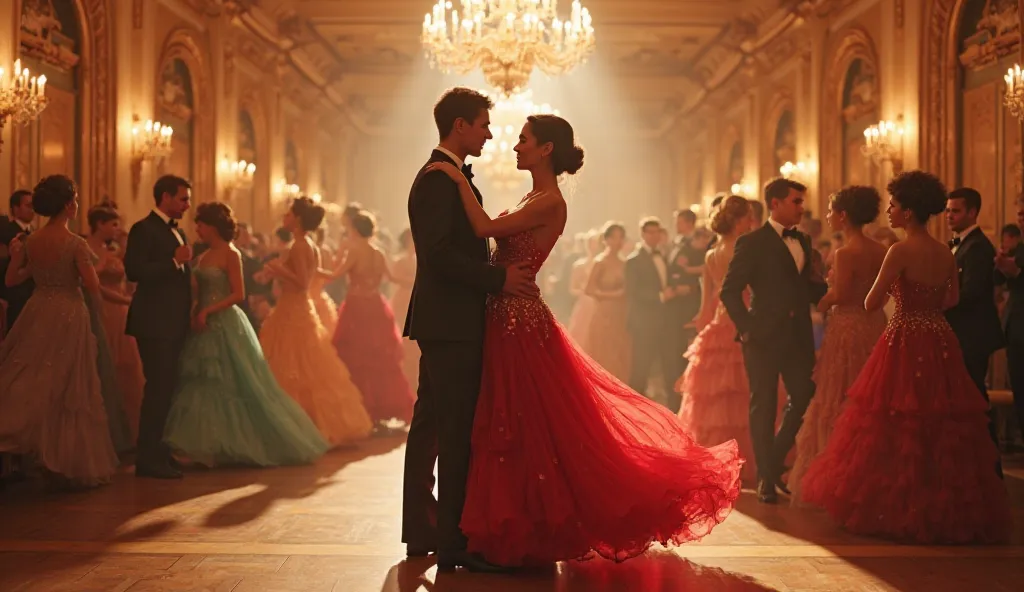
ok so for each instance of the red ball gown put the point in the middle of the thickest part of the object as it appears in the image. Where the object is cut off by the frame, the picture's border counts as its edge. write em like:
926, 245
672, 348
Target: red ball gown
568, 462
910, 457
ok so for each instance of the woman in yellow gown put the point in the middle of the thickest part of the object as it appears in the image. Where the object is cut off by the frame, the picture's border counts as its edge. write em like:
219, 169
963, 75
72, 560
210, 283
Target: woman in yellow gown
297, 345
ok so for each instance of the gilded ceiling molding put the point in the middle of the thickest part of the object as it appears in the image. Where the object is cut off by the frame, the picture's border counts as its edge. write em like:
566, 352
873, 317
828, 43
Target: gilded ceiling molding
854, 44
188, 46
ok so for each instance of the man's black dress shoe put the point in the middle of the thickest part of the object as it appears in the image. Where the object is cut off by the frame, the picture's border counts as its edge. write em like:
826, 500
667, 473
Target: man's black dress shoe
419, 550
766, 493
471, 562
157, 471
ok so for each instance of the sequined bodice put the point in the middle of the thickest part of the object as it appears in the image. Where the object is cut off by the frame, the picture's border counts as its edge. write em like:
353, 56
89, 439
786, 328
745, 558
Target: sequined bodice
519, 315
612, 278
63, 273
213, 285
112, 273
914, 298
519, 248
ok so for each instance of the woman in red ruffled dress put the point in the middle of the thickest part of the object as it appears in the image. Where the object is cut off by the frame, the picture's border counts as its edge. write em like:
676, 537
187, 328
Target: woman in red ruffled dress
910, 457
567, 461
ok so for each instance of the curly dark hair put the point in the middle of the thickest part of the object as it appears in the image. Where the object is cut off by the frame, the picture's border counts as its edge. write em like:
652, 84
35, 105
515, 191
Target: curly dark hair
309, 213
921, 193
860, 204
734, 208
53, 194
364, 224
566, 156
219, 217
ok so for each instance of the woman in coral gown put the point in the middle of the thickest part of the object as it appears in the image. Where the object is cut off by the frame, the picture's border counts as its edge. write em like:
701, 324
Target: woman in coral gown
910, 457
297, 346
586, 306
104, 229
326, 307
567, 461
367, 338
608, 337
714, 387
403, 276
50, 390
851, 332
228, 408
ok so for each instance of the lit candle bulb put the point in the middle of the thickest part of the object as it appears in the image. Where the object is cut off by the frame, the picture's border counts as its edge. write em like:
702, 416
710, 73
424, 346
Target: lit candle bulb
41, 85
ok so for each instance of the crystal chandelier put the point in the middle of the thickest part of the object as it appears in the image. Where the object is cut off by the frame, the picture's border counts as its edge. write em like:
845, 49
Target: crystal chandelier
22, 97
506, 39
507, 119
1013, 98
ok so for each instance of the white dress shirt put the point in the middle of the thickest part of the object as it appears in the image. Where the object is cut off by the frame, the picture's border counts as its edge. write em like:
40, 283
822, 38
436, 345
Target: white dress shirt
962, 236
175, 231
27, 228
458, 161
794, 246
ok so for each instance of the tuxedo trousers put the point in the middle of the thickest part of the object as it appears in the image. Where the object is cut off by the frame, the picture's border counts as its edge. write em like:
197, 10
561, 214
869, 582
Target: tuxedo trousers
765, 363
977, 363
441, 430
160, 365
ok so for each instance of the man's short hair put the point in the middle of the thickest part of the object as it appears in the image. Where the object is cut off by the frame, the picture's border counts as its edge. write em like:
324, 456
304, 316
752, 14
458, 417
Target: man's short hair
459, 103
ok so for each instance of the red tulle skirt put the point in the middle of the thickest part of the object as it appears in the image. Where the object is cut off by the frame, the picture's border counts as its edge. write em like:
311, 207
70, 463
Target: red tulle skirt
368, 341
568, 462
910, 457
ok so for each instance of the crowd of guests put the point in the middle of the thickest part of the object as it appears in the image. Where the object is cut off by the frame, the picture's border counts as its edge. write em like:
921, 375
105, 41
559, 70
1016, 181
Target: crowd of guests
220, 348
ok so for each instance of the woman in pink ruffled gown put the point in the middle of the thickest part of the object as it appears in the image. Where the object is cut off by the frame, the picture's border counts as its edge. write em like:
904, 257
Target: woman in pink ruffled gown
569, 462
910, 457
403, 276
608, 339
851, 332
585, 308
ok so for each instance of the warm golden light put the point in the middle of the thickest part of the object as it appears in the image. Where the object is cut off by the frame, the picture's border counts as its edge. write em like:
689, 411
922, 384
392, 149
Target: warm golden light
22, 96
507, 118
1014, 96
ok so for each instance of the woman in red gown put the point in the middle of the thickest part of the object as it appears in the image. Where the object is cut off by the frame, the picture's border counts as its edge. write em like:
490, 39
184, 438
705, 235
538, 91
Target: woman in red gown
568, 462
910, 457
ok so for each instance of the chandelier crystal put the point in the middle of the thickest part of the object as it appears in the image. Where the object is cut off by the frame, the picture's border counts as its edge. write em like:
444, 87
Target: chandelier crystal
506, 39
22, 97
507, 118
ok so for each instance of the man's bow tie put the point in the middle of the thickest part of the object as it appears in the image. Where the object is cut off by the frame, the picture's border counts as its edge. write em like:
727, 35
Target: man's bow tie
791, 233
172, 223
467, 170
954, 242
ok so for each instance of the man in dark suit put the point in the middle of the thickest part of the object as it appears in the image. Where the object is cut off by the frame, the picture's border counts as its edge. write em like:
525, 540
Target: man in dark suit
776, 263
684, 263
446, 318
975, 318
157, 260
647, 296
17, 225
1009, 266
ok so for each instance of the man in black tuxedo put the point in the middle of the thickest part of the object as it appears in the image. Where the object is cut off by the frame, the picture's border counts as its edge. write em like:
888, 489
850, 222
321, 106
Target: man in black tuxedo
1009, 266
776, 263
975, 318
17, 225
157, 260
684, 263
446, 319
648, 295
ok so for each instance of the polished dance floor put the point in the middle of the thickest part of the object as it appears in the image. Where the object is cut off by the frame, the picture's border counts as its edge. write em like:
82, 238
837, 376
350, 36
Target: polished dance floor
334, 527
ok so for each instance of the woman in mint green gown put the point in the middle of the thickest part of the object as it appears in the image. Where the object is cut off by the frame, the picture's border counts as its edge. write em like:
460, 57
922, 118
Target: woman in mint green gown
229, 409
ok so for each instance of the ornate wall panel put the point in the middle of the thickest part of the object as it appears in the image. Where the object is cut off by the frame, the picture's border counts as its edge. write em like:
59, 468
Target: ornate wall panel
980, 154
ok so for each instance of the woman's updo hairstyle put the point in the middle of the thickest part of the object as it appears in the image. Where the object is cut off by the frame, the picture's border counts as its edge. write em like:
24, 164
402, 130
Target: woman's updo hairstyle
101, 214
364, 224
733, 209
860, 204
566, 156
611, 228
920, 192
309, 213
219, 217
52, 195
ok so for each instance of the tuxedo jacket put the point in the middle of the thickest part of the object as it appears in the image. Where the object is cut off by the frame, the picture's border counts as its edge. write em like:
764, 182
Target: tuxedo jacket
453, 273
975, 318
1014, 327
682, 309
644, 309
16, 296
781, 295
162, 303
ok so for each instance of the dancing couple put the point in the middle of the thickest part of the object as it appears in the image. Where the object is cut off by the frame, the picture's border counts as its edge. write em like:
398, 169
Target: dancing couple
542, 455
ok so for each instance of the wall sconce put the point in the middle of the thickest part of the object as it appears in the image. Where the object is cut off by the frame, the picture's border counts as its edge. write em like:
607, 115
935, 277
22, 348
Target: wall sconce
798, 171
743, 188
316, 197
1014, 97
286, 191
237, 175
884, 143
150, 141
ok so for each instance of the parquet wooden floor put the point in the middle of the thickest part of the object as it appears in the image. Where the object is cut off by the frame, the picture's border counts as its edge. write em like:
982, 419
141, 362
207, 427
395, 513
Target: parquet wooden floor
334, 527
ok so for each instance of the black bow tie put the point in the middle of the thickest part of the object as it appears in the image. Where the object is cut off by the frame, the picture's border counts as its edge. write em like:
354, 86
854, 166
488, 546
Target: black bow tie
172, 223
954, 242
467, 171
791, 233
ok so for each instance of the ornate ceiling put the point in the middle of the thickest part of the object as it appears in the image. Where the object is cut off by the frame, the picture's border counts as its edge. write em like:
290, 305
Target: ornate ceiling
666, 55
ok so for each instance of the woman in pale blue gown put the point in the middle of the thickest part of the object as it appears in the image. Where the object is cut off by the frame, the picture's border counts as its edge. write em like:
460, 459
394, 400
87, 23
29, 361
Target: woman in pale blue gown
229, 409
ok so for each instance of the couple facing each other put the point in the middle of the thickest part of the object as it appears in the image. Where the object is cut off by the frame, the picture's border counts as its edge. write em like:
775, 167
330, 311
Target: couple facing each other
210, 393
542, 455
